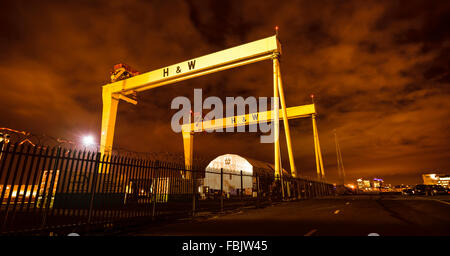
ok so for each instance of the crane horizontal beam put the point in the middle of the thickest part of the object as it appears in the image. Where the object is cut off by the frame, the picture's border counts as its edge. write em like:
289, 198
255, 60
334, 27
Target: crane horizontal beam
248, 119
233, 57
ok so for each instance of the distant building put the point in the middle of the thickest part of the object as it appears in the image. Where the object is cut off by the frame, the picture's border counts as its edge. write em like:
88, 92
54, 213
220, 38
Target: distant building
363, 184
436, 179
369, 184
377, 183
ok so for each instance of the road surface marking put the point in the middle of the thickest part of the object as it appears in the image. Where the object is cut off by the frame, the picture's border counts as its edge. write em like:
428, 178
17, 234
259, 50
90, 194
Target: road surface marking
440, 201
336, 212
311, 232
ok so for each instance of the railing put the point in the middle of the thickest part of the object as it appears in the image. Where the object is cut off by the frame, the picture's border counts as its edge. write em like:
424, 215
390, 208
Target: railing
45, 190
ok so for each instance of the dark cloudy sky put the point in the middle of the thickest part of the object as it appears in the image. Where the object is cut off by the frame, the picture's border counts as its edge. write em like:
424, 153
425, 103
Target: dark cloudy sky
379, 70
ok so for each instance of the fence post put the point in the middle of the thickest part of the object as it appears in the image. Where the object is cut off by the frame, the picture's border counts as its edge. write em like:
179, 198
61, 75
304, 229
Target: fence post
155, 188
94, 187
313, 190
53, 174
309, 189
193, 191
270, 190
318, 189
257, 191
242, 187
221, 189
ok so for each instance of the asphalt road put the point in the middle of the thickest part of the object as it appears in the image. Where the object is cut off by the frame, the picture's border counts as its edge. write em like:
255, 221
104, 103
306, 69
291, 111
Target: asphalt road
347, 215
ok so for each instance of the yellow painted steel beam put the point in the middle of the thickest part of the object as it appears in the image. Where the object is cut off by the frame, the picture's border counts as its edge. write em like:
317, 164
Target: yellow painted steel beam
276, 127
125, 98
248, 119
188, 130
285, 122
322, 171
230, 58
317, 151
188, 146
109, 114
187, 69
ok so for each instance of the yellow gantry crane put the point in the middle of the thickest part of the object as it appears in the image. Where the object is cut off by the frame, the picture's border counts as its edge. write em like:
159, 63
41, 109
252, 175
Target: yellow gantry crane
303, 111
265, 49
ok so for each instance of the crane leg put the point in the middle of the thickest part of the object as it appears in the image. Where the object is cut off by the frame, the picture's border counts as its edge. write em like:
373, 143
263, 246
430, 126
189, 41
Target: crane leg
285, 122
276, 118
188, 144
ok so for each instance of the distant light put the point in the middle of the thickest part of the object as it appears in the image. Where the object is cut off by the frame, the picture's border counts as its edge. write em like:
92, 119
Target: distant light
88, 140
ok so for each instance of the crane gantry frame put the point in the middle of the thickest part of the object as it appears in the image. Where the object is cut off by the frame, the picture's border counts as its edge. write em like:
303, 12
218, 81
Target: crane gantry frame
260, 50
303, 111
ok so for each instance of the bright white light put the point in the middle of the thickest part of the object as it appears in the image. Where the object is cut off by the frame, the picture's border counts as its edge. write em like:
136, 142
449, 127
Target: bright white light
88, 140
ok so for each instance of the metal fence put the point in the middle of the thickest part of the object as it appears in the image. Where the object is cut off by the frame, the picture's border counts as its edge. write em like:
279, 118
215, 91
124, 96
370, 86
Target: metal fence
45, 190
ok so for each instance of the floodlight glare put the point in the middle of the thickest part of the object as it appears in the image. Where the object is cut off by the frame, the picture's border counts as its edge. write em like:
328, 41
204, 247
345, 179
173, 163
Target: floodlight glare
88, 140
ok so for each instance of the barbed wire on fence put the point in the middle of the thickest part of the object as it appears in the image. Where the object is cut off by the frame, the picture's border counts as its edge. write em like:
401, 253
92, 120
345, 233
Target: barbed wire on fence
17, 137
